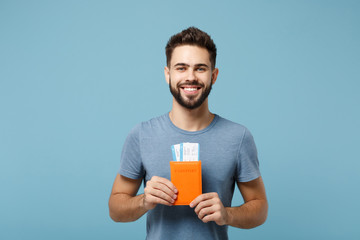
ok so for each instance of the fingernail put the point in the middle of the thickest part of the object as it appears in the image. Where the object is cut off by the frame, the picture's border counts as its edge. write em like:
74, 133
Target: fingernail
191, 205
175, 196
175, 190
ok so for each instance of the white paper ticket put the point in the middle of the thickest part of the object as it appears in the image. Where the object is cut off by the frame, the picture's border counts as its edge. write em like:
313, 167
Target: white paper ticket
186, 151
176, 152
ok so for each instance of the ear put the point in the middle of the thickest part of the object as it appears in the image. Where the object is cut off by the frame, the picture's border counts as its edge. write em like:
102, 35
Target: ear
167, 74
214, 75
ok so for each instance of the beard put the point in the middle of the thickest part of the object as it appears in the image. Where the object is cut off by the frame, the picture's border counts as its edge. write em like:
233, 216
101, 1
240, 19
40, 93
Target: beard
191, 102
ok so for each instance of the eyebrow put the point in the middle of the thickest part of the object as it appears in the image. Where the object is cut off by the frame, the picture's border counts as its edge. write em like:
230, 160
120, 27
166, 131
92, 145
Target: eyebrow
187, 65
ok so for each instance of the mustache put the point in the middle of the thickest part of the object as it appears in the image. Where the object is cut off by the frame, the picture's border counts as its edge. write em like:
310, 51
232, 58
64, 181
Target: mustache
190, 83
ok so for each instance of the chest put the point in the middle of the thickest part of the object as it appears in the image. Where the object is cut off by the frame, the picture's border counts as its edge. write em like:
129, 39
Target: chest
219, 161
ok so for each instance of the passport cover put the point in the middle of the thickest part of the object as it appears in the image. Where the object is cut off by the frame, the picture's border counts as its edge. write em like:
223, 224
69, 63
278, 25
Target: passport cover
186, 176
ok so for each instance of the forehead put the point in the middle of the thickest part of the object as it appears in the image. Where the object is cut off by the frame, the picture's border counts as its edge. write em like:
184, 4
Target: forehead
190, 55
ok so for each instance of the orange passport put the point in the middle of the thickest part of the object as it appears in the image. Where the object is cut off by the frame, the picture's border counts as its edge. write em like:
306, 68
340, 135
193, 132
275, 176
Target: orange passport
186, 176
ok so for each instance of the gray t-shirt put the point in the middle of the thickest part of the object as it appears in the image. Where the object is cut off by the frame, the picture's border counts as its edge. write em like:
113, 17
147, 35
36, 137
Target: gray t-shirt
227, 153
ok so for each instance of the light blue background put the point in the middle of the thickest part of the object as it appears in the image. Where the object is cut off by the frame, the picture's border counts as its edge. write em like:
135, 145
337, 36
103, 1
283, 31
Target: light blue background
76, 76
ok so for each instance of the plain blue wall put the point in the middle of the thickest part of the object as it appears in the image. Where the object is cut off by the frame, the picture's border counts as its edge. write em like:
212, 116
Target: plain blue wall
76, 76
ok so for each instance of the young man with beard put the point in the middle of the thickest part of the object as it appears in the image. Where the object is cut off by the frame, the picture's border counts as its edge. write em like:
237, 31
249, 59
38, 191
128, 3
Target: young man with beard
228, 156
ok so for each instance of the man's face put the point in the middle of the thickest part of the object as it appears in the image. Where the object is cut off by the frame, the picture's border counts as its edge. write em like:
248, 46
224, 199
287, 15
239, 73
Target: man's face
190, 76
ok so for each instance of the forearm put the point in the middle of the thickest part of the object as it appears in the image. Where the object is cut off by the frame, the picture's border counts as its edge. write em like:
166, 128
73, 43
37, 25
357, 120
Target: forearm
249, 215
126, 208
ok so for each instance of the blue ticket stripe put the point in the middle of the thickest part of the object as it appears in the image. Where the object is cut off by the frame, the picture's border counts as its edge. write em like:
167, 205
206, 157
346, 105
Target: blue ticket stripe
173, 153
181, 151
198, 152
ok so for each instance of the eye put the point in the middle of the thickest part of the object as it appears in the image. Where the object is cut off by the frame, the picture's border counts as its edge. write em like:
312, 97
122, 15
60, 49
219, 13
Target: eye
180, 69
201, 69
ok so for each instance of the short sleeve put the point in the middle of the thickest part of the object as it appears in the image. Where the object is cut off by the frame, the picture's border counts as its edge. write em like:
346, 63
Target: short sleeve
131, 163
248, 163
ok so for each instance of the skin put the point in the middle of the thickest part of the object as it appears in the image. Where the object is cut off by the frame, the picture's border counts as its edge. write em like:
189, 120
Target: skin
189, 64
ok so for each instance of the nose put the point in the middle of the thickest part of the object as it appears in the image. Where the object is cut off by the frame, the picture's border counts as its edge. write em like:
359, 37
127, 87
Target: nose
191, 75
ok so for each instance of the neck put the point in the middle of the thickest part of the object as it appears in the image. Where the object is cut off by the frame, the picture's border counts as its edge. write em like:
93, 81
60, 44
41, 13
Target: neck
191, 119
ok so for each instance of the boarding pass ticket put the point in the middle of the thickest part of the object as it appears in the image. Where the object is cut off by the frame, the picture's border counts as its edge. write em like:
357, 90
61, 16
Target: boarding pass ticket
186, 151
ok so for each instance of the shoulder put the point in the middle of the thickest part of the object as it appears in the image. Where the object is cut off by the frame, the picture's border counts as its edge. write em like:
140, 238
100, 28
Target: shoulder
233, 130
154, 122
229, 125
150, 126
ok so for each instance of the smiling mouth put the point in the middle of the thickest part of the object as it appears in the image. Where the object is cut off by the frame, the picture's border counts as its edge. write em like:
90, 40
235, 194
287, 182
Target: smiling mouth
190, 89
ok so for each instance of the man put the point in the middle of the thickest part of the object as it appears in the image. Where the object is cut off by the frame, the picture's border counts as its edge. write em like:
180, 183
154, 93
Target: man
228, 156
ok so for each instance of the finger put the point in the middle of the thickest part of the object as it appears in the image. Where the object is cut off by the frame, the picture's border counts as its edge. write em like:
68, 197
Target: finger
201, 198
209, 218
166, 182
156, 200
160, 194
206, 211
202, 205
161, 187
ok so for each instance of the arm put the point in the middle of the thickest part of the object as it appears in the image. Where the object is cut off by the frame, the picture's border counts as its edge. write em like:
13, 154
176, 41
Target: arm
126, 206
249, 215
254, 210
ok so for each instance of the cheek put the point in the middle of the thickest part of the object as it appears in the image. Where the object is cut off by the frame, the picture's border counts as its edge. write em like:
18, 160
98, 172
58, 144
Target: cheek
175, 79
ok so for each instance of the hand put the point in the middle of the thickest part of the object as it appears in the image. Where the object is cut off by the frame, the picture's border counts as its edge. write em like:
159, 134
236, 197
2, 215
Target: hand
210, 208
159, 190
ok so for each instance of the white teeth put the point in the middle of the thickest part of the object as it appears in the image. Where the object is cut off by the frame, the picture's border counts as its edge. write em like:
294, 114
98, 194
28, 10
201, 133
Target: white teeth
190, 89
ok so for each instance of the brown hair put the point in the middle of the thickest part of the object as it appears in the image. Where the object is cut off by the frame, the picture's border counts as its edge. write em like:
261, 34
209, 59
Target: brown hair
191, 36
